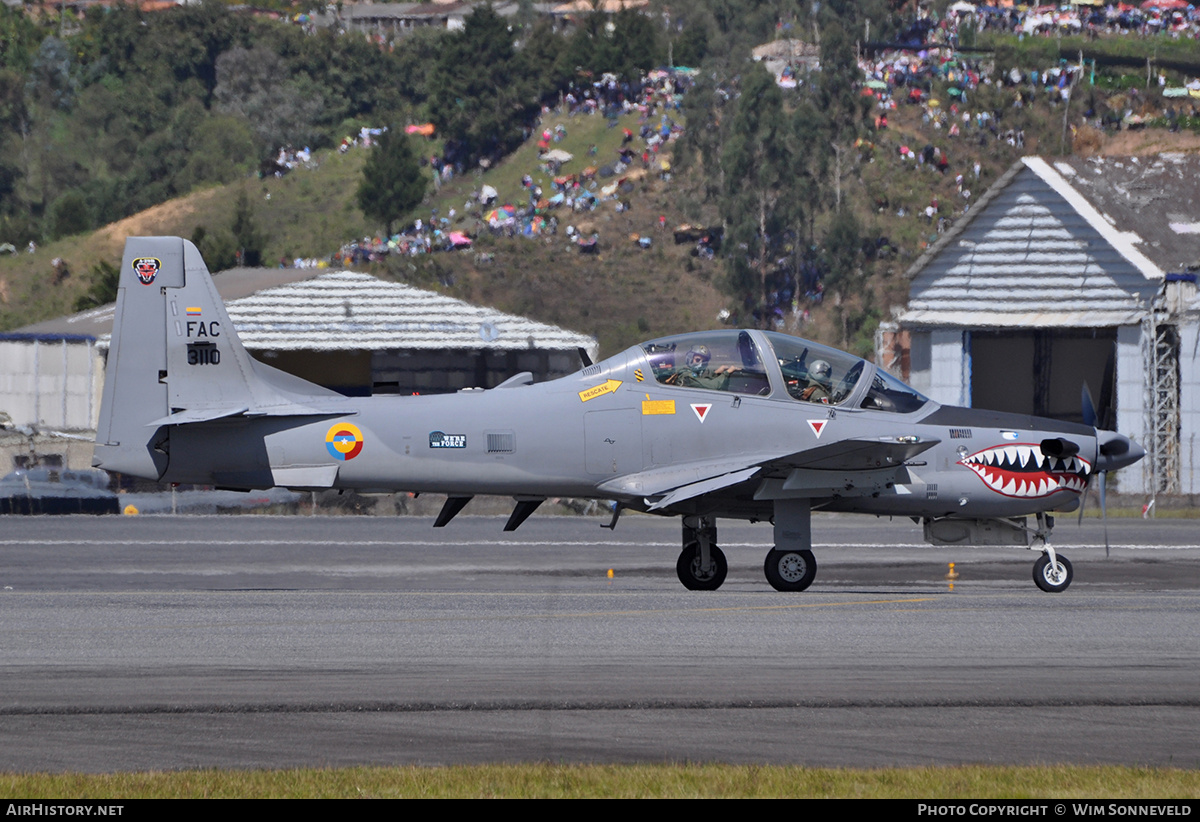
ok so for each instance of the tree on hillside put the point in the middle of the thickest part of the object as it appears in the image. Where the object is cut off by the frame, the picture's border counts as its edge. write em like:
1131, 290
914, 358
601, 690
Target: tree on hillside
544, 58
20, 37
392, 183
480, 98
589, 47
733, 27
250, 241
256, 85
625, 43
69, 214
760, 201
637, 43
102, 288
704, 109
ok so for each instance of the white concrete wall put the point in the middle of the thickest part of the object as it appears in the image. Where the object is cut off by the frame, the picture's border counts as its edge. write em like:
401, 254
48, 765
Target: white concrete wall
1189, 405
919, 361
1133, 397
53, 385
949, 380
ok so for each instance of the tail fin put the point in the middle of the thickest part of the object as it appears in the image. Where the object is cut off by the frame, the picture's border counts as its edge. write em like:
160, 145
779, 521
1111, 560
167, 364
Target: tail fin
175, 359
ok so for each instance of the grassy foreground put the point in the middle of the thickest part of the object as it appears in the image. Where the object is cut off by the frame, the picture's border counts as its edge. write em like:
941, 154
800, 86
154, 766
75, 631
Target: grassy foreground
622, 781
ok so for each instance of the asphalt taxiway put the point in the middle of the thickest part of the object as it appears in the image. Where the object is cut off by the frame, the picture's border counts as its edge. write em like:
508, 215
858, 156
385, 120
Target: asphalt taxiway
161, 642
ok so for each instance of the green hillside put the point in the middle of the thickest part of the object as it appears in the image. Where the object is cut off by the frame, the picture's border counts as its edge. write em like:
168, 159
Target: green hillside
622, 295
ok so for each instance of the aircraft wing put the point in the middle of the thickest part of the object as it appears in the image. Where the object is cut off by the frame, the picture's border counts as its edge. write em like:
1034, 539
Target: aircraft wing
860, 454
704, 487
846, 467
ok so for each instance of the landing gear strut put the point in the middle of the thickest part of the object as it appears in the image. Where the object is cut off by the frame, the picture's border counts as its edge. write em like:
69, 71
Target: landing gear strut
702, 565
1052, 572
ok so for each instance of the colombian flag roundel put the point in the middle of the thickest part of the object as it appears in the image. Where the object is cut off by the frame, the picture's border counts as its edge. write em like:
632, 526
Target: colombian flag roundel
344, 441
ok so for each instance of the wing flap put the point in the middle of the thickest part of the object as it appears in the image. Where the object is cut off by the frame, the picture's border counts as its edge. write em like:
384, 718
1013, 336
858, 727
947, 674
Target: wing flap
659, 481
859, 454
304, 477
705, 487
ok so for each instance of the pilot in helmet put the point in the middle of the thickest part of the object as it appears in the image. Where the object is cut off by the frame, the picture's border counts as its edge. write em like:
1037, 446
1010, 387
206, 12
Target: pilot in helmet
698, 357
820, 382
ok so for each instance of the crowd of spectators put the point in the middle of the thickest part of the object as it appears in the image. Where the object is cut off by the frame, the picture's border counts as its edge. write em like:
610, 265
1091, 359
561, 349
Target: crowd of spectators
1172, 17
553, 198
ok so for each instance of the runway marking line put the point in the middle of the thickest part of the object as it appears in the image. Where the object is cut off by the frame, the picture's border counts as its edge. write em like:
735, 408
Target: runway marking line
752, 607
502, 617
500, 542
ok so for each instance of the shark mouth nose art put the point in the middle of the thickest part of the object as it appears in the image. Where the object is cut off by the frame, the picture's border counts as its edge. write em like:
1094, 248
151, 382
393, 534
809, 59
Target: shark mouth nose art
1022, 470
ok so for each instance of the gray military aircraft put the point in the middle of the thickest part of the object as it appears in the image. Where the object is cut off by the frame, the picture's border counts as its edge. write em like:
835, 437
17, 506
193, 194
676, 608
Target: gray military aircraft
751, 425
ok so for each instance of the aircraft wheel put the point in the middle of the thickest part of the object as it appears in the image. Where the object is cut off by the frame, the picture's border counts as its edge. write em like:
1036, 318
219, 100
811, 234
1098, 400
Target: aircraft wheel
790, 570
690, 574
1055, 579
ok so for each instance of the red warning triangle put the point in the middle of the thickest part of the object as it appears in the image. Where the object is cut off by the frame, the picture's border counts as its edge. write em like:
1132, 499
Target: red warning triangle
701, 409
817, 426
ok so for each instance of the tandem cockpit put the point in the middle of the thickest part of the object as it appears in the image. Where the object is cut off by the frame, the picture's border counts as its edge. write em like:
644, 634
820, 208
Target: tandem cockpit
770, 364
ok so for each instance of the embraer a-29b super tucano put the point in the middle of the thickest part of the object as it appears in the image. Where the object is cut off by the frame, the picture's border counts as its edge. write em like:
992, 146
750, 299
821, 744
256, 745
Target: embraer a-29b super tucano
750, 425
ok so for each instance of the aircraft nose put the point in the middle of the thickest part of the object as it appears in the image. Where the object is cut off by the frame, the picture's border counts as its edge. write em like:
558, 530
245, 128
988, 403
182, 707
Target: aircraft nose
1116, 451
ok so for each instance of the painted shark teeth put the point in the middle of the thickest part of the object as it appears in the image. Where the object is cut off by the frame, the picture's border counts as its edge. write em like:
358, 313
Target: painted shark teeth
1022, 470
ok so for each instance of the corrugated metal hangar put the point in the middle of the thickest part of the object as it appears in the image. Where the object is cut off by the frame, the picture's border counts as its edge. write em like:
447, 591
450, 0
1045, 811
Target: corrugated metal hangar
341, 329
1062, 263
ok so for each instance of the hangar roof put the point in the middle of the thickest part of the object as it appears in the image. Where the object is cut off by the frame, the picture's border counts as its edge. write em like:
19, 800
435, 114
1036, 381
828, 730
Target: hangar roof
231, 284
307, 309
1075, 242
346, 309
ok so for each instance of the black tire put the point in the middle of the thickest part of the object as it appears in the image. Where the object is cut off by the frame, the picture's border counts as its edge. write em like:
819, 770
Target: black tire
688, 568
1050, 582
790, 570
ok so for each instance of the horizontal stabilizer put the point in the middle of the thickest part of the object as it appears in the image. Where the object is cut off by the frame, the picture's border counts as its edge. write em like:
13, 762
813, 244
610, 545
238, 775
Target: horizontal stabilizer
197, 415
203, 414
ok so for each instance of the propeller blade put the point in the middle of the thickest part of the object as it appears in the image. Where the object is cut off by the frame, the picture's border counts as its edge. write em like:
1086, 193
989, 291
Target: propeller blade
1089, 408
1104, 510
1087, 489
1107, 410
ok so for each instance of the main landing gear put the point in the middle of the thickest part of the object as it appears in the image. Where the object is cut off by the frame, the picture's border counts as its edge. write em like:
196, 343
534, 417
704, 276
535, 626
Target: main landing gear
790, 570
702, 565
789, 566
1052, 572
